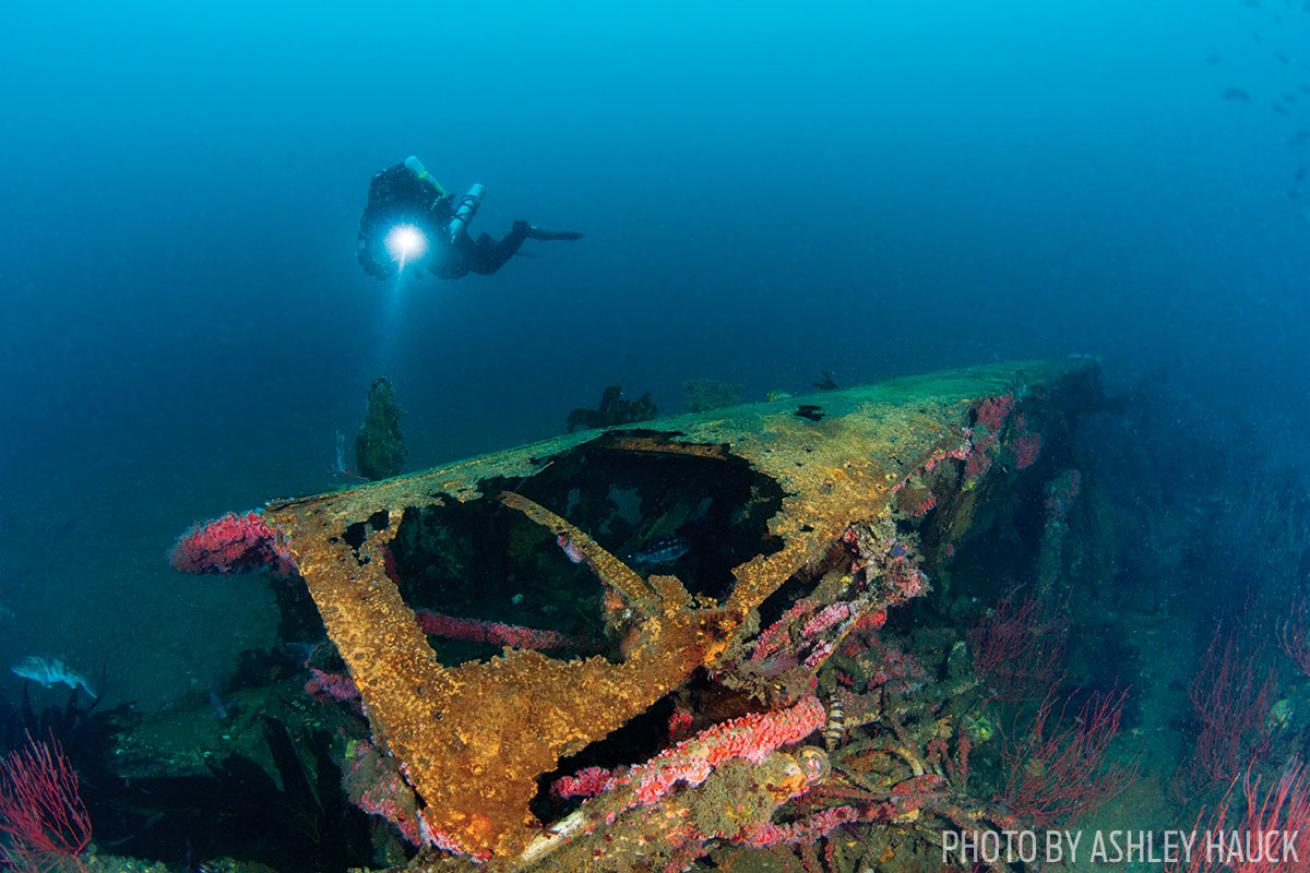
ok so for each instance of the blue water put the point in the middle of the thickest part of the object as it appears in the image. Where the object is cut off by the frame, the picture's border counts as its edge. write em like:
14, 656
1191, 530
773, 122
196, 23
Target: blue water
767, 189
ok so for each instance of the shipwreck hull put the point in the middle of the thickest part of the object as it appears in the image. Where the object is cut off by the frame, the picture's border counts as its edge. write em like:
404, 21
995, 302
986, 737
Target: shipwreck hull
763, 500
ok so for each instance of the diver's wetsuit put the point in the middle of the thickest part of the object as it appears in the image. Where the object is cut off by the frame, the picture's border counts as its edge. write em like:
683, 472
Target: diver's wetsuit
484, 255
397, 196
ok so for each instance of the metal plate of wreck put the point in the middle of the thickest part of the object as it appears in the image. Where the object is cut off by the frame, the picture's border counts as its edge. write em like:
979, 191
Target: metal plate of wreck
474, 738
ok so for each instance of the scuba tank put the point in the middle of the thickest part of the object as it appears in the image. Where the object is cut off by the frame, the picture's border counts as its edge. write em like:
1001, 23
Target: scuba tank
415, 166
466, 208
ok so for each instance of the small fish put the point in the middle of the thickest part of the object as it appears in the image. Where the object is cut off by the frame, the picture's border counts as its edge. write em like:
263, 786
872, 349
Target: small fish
659, 551
1241, 95
5, 612
48, 672
835, 726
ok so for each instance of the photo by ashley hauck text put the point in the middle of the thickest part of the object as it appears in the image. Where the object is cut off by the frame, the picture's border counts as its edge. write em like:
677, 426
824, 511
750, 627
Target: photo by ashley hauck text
1120, 846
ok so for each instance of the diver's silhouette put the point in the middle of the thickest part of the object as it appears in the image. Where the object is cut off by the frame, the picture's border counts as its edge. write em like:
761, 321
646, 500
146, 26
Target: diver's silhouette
410, 217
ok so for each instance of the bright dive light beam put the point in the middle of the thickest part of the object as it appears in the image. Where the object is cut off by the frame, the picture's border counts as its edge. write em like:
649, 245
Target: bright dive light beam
405, 243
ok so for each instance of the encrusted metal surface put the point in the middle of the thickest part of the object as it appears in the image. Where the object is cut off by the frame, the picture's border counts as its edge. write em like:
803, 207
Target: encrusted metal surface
474, 738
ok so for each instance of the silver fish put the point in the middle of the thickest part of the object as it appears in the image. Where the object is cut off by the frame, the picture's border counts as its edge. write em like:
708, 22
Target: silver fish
49, 672
659, 552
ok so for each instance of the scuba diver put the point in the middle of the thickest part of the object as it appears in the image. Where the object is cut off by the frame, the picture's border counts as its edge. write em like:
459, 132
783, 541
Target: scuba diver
409, 212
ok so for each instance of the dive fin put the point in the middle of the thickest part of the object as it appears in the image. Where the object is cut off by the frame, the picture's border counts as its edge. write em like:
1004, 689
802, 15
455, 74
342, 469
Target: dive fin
535, 232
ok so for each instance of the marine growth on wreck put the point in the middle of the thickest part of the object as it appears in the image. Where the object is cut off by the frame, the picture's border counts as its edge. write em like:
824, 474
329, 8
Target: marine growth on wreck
639, 647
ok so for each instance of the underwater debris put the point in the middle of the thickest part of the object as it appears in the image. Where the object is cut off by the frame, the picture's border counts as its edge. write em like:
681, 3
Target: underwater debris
183, 788
813, 523
380, 447
614, 409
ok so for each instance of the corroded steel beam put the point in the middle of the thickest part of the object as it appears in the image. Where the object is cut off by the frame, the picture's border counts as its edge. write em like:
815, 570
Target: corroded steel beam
474, 738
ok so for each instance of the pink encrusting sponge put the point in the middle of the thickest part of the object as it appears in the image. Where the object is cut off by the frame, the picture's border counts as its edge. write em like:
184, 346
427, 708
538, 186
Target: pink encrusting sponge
234, 543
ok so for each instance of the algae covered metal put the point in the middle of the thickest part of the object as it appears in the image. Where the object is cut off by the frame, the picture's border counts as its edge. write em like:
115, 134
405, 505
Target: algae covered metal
758, 496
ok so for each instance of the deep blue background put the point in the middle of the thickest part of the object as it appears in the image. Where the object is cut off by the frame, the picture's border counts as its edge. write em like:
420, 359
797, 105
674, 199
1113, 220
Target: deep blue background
874, 188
